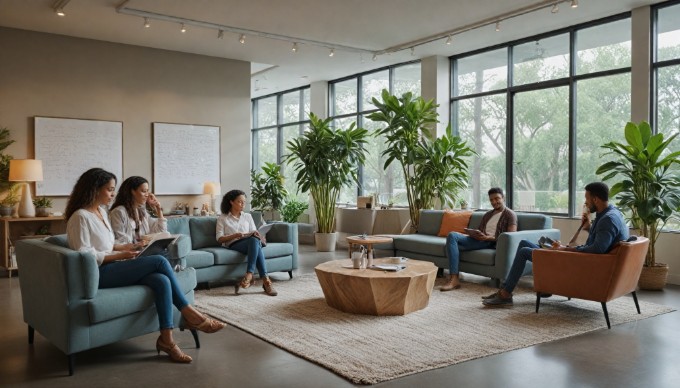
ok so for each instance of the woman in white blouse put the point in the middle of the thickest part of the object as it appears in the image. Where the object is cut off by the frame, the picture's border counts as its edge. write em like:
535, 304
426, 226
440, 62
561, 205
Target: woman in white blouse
236, 230
88, 230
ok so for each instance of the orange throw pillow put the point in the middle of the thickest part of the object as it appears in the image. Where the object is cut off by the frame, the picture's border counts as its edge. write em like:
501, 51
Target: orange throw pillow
454, 222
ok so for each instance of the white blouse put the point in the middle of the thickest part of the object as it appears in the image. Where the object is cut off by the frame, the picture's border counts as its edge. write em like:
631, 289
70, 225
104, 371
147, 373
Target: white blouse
228, 224
87, 233
124, 226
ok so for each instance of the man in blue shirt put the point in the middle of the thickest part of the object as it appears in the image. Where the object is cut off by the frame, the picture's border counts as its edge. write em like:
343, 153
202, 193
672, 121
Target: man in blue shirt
608, 229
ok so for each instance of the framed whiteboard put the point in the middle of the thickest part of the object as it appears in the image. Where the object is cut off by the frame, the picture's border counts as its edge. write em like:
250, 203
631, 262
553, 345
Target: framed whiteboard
184, 157
69, 147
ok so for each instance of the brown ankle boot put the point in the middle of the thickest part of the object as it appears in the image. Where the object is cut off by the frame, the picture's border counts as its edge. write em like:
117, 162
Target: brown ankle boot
452, 284
268, 289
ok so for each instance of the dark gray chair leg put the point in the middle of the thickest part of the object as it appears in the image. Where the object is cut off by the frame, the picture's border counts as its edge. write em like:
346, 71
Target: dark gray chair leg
606, 314
290, 274
538, 301
71, 361
31, 334
497, 282
194, 333
637, 305
440, 272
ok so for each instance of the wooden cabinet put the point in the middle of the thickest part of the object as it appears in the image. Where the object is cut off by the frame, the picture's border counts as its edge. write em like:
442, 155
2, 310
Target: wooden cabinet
14, 229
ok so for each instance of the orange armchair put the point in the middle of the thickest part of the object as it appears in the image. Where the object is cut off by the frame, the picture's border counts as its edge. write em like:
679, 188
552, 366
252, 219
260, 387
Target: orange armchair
589, 276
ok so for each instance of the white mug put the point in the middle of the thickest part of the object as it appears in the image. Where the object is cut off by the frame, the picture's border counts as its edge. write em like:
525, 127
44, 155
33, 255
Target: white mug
357, 260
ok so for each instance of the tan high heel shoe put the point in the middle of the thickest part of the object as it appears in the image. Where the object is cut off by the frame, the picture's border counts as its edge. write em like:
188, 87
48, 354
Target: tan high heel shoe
173, 351
267, 286
208, 325
245, 283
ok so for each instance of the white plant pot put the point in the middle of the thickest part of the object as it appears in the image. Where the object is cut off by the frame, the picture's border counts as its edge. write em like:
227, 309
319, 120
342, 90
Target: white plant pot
325, 242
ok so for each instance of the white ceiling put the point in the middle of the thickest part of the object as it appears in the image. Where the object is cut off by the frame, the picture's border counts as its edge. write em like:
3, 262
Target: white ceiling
371, 25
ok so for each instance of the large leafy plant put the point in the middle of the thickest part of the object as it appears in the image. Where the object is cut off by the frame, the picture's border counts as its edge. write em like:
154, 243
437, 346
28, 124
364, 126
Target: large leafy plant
325, 160
434, 168
647, 180
266, 188
5, 184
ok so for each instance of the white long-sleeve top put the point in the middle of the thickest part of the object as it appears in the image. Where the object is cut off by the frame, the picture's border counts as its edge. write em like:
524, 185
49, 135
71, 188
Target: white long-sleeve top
85, 232
124, 225
228, 224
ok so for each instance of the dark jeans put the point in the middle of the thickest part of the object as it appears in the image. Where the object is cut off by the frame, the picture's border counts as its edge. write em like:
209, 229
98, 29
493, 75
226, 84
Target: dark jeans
456, 242
252, 248
524, 250
151, 271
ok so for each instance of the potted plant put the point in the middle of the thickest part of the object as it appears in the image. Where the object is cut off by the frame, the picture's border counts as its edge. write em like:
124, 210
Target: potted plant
648, 189
434, 168
266, 189
292, 210
42, 206
10, 200
325, 160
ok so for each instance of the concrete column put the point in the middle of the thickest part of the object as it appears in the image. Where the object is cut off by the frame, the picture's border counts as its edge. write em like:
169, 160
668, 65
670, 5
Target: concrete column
435, 81
640, 64
318, 98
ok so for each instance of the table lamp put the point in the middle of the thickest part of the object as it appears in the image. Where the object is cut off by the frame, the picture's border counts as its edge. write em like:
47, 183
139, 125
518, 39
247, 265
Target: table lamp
25, 170
213, 189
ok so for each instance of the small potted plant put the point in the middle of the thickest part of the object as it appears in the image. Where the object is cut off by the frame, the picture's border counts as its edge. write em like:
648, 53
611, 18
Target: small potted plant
42, 206
463, 204
292, 210
8, 203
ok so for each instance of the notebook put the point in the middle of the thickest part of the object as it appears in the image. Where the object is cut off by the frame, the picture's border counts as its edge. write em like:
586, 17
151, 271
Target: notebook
157, 247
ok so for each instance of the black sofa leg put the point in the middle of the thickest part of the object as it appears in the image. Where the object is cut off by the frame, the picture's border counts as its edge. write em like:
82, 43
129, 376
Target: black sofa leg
440, 272
31, 334
194, 333
290, 274
637, 305
497, 282
71, 361
606, 314
538, 301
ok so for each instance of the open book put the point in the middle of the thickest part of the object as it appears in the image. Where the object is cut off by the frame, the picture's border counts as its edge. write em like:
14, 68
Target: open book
262, 230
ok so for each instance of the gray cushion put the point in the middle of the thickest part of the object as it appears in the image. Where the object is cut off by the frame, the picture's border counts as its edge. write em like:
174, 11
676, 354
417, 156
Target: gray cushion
421, 243
178, 225
225, 256
116, 302
480, 256
277, 250
203, 232
200, 259
59, 239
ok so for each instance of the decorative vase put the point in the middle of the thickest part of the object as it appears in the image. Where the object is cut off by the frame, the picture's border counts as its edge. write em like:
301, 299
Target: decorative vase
653, 278
6, 211
42, 211
325, 242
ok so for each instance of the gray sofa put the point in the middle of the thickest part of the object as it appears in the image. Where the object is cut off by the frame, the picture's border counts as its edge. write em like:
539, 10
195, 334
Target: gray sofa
62, 301
212, 262
493, 263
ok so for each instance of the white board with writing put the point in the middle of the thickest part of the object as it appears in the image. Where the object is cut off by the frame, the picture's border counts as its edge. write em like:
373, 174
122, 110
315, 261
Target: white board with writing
69, 147
184, 157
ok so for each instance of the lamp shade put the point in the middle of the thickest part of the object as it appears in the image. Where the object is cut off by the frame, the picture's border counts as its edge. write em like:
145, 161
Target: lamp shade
25, 170
212, 188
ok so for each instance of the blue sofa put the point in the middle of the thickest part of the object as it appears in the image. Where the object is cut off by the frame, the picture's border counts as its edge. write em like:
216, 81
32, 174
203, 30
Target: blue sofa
61, 299
493, 263
199, 249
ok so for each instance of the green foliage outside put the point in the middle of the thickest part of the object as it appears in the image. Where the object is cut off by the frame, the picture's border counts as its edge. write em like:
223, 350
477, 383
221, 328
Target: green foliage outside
11, 198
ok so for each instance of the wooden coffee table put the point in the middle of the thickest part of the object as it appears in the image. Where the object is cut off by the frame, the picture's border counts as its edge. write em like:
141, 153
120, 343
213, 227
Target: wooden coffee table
368, 241
373, 292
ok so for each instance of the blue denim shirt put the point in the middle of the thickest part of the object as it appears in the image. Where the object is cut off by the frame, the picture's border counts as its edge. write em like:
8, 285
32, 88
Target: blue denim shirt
608, 228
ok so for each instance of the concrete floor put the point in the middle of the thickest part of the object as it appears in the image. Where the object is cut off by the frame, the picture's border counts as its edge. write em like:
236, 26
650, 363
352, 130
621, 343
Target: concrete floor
638, 354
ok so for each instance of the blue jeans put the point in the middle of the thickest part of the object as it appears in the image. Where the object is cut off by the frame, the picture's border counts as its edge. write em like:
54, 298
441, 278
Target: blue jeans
524, 250
456, 242
151, 271
252, 247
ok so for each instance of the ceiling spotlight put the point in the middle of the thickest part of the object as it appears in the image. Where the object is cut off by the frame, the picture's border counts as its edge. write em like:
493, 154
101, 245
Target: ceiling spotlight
331, 53
555, 8
295, 47
147, 24
60, 12
242, 39
375, 57
498, 26
183, 29
448, 39
574, 3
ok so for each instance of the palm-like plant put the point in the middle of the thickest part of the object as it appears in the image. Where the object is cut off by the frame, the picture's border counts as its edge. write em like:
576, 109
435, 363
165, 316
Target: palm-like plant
266, 188
648, 185
325, 160
433, 168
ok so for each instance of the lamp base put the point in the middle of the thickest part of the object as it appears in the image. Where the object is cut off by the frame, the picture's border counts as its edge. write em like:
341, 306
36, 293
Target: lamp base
26, 208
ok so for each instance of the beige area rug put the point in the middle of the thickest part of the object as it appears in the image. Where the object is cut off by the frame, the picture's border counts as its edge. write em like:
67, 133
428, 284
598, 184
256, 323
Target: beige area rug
455, 327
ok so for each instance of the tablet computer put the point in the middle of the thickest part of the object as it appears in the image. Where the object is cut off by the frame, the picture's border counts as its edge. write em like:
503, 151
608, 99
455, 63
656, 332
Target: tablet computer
157, 247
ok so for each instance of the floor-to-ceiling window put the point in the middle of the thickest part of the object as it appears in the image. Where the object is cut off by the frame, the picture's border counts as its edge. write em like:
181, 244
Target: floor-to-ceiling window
276, 120
350, 101
538, 110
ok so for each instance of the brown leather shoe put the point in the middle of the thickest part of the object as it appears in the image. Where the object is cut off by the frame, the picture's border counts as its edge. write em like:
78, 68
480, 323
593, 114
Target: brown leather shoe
452, 284
267, 286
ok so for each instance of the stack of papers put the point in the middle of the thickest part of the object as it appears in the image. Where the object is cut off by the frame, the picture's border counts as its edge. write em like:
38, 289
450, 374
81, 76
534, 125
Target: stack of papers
388, 267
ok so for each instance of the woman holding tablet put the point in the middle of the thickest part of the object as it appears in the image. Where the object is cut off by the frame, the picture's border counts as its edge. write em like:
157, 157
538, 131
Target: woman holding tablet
88, 230
236, 231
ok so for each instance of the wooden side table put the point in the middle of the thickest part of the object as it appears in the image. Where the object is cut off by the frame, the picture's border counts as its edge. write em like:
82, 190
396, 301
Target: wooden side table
368, 241
14, 229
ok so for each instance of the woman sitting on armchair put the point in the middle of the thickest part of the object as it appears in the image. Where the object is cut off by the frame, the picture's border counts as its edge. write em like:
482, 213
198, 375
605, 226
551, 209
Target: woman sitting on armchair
88, 230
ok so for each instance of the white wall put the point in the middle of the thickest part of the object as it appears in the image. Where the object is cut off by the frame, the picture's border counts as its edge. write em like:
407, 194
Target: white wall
57, 76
